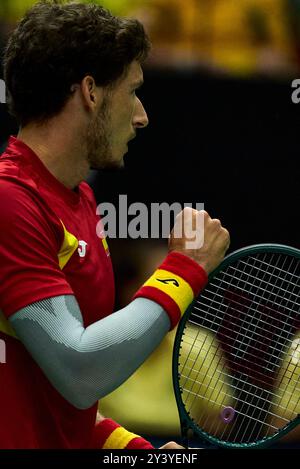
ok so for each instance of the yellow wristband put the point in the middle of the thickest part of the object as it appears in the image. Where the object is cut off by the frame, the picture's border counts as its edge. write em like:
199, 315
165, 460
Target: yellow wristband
119, 439
174, 286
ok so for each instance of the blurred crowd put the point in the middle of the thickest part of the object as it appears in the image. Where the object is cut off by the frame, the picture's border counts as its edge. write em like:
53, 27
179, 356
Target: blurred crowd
228, 36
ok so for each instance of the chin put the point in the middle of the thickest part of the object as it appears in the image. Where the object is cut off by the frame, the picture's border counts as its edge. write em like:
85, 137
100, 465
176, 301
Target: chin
114, 164
107, 161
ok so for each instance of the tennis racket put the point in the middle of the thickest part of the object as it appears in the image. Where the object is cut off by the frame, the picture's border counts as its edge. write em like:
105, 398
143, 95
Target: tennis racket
236, 357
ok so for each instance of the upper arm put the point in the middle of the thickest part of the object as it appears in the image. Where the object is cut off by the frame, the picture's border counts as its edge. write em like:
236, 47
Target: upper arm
29, 248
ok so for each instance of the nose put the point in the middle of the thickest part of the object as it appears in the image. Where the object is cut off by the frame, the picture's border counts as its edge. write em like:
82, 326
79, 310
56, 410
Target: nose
140, 118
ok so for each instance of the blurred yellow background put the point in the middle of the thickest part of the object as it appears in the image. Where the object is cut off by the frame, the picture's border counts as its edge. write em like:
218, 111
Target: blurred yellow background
239, 37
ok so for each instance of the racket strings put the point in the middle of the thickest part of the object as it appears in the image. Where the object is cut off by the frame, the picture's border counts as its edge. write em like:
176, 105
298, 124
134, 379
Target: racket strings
246, 422
228, 336
240, 413
253, 404
263, 403
256, 296
285, 272
236, 388
218, 396
263, 323
279, 321
236, 303
246, 337
257, 432
259, 402
266, 282
229, 384
224, 374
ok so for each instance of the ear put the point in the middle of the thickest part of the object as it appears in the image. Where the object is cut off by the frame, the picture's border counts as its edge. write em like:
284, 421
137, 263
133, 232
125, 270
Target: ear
92, 95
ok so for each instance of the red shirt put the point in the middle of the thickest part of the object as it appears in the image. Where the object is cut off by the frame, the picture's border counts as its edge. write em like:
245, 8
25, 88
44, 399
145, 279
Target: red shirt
48, 247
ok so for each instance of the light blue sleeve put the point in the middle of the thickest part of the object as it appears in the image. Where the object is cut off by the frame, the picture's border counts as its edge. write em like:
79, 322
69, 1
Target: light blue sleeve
86, 364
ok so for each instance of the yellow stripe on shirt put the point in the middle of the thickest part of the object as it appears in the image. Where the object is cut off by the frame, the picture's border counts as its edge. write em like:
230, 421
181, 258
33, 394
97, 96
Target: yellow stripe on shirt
69, 246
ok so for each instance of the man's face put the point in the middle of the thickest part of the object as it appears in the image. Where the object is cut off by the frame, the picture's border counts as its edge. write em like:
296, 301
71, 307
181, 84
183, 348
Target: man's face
119, 116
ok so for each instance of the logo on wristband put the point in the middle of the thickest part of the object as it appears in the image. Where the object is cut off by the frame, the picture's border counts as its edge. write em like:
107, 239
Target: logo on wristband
166, 281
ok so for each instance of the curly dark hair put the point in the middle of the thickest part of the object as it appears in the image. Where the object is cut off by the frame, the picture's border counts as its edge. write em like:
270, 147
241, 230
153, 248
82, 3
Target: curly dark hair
56, 45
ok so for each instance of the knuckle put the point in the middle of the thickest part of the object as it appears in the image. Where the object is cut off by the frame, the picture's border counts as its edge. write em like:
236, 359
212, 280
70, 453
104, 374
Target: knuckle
203, 213
185, 212
204, 216
216, 222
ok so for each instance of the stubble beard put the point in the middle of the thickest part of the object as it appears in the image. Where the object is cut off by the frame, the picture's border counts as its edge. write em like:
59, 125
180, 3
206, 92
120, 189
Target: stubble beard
98, 138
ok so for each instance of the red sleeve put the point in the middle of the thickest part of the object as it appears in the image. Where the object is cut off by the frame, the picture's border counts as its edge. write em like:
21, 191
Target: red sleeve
105, 429
30, 239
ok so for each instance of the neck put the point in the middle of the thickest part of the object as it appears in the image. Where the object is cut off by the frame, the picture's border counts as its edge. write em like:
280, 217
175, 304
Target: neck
59, 151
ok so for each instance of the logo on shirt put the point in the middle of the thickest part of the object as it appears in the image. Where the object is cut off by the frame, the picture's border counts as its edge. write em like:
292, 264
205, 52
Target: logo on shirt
82, 248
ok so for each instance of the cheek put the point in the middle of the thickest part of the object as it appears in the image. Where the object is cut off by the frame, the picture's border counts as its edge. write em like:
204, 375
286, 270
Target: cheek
122, 118
124, 123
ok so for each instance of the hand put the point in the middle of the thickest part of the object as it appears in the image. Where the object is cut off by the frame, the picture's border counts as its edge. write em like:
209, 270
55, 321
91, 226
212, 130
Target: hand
209, 240
171, 445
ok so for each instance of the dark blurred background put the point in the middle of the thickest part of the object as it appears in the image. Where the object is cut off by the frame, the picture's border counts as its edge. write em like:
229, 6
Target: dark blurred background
223, 131
230, 143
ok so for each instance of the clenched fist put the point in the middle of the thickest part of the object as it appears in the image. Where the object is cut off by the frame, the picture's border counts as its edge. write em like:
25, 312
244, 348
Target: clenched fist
199, 237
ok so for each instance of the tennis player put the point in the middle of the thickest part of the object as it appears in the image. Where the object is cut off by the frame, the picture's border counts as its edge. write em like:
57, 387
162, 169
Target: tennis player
71, 73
